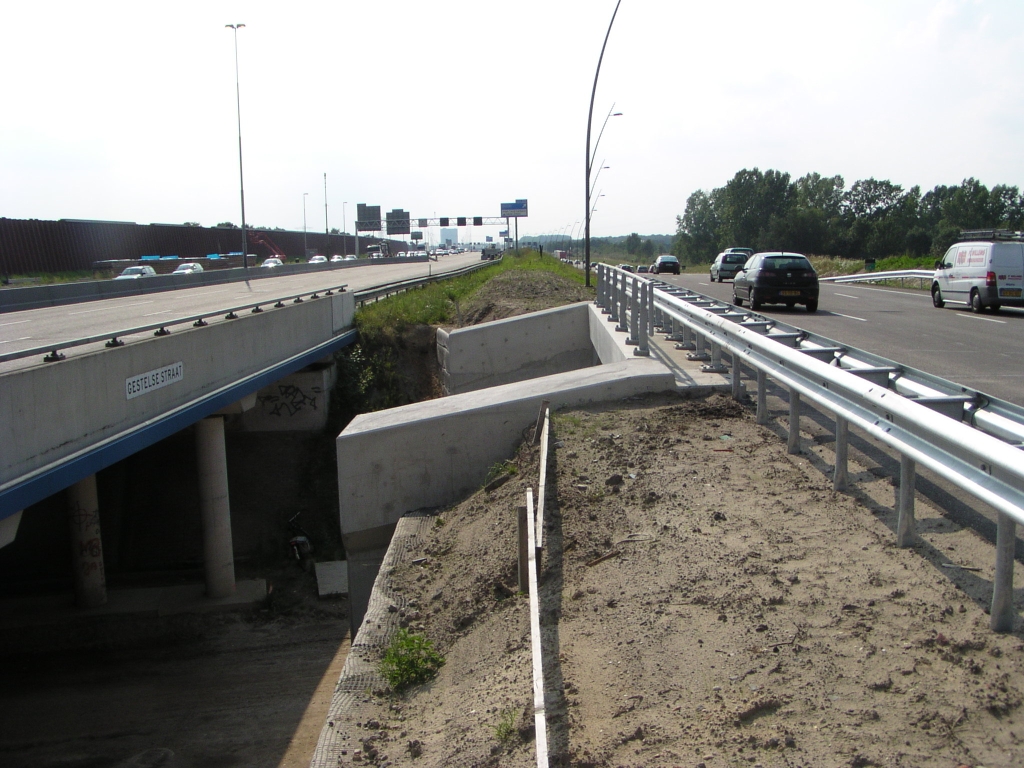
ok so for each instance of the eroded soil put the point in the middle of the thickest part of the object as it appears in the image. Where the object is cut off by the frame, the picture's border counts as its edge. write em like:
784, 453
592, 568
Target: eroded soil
707, 600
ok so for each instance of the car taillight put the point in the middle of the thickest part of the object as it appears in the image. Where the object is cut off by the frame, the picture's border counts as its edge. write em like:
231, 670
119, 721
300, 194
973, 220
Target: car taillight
990, 280
767, 273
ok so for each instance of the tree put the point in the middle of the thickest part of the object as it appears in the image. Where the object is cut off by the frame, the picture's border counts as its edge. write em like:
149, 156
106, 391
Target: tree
697, 230
633, 244
192, 224
227, 225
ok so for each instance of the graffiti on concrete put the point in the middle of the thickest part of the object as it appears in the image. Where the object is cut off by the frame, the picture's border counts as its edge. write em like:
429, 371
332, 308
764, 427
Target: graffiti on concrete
290, 400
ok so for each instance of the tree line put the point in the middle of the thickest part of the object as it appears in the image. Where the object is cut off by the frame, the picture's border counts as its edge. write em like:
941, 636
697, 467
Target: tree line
819, 215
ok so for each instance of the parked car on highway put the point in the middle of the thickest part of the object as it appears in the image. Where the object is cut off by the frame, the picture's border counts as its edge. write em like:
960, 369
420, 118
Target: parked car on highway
317, 260
188, 268
271, 263
727, 264
776, 278
666, 263
134, 273
984, 274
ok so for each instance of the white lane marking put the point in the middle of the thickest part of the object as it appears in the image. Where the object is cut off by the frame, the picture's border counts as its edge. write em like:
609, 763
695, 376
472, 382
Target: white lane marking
16, 322
106, 309
846, 296
850, 317
162, 312
986, 319
8, 341
703, 283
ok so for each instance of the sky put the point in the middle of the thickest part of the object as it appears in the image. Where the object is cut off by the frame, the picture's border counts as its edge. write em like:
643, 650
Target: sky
127, 111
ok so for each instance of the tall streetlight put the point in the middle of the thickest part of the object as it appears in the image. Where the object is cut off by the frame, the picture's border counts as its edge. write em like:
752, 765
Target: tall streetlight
589, 159
241, 182
305, 248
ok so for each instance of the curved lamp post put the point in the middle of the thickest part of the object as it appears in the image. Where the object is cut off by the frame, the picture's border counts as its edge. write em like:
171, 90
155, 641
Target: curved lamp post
590, 117
241, 182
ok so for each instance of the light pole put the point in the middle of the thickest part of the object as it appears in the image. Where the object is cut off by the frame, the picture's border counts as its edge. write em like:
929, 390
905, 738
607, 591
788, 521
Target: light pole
241, 181
305, 248
590, 117
327, 227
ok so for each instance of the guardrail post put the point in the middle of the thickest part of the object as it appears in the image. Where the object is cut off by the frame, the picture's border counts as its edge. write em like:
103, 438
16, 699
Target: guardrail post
906, 534
623, 324
737, 373
642, 350
1003, 615
762, 397
673, 332
634, 314
698, 346
794, 422
652, 312
686, 337
716, 365
841, 478
601, 299
613, 296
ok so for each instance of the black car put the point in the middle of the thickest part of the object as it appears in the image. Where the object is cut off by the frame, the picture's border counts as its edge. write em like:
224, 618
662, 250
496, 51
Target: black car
776, 278
665, 263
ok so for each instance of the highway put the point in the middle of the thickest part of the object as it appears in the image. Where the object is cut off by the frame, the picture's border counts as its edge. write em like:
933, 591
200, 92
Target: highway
50, 325
984, 352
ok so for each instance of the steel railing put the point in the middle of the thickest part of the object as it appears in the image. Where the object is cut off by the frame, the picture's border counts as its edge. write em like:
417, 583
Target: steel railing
971, 440
879, 277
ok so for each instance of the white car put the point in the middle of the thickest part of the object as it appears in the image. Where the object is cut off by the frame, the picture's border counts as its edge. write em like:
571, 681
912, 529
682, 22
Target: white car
188, 268
317, 260
271, 263
134, 273
337, 257
351, 257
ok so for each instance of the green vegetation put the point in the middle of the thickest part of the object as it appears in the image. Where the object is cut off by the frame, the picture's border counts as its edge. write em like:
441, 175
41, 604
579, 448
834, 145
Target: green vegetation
506, 727
437, 303
817, 214
506, 467
409, 660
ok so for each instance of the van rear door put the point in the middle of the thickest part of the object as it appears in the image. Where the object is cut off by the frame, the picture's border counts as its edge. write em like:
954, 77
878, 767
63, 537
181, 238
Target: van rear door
1008, 264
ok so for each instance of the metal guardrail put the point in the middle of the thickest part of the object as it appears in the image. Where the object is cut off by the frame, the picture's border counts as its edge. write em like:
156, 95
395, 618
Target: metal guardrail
877, 277
962, 435
52, 352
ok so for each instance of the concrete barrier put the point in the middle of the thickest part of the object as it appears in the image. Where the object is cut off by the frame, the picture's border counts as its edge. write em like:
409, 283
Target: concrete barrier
527, 346
54, 411
33, 297
432, 453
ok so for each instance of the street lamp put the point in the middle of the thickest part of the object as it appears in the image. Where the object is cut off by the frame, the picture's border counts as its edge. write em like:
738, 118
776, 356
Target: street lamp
589, 160
305, 248
241, 182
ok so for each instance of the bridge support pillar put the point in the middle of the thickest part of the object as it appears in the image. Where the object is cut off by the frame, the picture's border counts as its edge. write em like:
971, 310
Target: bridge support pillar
218, 553
86, 544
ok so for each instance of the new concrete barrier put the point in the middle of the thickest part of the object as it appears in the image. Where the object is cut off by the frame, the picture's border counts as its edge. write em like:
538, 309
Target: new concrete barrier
432, 453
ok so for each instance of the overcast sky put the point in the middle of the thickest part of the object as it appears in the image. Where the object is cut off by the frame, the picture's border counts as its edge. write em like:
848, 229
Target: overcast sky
126, 111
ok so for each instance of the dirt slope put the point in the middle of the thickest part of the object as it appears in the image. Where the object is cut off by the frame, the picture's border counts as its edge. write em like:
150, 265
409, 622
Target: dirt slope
743, 614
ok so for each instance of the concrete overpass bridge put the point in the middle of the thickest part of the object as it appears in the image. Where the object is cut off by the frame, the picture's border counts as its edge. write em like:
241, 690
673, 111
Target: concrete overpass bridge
64, 420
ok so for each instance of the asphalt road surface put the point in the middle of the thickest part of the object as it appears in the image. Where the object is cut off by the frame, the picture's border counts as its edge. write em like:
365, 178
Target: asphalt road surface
50, 325
984, 352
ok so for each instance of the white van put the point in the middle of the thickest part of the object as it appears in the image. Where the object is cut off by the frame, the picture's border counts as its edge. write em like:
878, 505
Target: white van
983, 274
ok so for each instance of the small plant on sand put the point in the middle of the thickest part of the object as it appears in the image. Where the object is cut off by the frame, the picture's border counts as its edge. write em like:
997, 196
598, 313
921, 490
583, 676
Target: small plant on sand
507, 467
409, 660
506, 727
